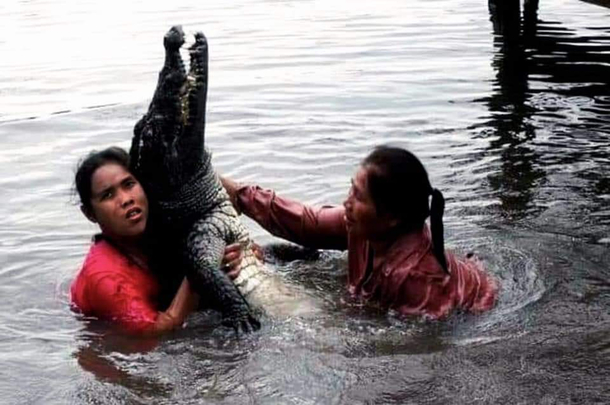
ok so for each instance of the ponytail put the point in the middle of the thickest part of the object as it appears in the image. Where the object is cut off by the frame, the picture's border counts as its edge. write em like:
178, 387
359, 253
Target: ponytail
388, 170
437, 207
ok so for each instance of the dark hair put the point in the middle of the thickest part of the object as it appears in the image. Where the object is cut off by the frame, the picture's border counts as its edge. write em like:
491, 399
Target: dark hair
89, 164
399, 186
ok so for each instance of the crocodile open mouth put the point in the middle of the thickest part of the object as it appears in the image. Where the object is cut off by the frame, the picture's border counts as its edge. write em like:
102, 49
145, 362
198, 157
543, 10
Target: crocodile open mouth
168, 142
190, 83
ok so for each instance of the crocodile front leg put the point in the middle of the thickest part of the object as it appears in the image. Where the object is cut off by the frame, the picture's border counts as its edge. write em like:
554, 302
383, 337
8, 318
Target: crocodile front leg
205, 247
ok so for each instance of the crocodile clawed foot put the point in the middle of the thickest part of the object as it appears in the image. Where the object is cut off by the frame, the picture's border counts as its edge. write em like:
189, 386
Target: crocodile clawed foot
242, 325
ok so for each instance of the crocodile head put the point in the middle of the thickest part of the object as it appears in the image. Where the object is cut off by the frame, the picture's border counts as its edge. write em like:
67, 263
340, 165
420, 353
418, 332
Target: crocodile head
168, 143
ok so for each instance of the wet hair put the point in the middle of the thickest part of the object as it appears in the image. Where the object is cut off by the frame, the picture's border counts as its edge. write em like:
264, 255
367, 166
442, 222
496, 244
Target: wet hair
89, 164
399, 186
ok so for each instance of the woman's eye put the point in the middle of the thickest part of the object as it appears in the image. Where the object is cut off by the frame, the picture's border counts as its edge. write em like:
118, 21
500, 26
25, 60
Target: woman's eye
106, 195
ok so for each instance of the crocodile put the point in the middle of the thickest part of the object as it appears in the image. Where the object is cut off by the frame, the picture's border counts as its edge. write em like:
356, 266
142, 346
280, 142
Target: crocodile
191, 213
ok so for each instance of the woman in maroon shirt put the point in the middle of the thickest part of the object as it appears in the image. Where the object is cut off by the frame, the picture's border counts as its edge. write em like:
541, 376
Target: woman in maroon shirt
394, 258
115, 282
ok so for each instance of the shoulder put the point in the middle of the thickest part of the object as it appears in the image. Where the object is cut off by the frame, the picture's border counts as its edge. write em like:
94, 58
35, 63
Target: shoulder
412, 255
103, 262
102, 254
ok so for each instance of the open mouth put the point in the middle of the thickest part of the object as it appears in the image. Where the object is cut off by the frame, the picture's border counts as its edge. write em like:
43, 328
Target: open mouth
134, 213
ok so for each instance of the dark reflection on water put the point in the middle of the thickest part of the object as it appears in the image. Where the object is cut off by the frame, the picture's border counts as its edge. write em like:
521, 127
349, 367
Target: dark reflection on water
520, 170
107, 354
549, 117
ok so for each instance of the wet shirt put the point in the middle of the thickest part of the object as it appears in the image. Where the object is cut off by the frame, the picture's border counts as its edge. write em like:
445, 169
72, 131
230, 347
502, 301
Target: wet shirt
407, 277
111, 287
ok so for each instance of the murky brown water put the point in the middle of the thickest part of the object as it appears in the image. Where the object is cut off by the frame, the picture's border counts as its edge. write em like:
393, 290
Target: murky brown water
513, 124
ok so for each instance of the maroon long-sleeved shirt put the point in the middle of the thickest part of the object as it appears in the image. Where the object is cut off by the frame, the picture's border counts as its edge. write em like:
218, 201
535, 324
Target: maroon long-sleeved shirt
407, 277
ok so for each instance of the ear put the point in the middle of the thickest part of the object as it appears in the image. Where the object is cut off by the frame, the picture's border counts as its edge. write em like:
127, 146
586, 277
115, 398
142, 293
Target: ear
393, 222
88, 213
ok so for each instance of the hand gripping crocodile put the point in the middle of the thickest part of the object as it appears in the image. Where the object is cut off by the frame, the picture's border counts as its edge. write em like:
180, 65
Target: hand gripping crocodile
189, 207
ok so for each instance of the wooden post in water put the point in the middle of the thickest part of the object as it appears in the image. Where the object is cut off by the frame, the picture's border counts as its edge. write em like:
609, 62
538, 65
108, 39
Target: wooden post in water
530, 17
506, 18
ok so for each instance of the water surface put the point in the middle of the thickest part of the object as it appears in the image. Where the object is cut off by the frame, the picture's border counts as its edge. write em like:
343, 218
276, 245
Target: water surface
512, 123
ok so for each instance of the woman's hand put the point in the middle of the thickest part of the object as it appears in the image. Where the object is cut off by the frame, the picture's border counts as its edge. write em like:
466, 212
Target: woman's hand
258, 251
231, 186
231, 262
234, 254
185, 301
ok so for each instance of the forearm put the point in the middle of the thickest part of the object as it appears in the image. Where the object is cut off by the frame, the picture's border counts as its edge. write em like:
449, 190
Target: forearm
321, 227
184, 302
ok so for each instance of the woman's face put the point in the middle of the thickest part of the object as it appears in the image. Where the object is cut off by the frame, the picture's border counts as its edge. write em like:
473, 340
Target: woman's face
118, 202
361, 215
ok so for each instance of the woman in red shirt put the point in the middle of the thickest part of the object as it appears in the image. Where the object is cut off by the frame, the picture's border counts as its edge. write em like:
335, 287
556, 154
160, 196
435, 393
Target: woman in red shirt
115, 282
394, 257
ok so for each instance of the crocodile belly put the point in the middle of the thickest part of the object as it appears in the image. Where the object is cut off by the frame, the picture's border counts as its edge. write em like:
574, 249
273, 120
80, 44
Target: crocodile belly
262, 287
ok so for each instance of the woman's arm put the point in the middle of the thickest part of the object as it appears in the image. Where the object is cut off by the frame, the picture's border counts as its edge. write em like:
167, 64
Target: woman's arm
120, 299
186, 300
320, 228
183, 304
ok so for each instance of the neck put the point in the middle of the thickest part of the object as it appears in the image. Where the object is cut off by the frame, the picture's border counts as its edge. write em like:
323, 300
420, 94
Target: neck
380, 246
383, 243
130, 247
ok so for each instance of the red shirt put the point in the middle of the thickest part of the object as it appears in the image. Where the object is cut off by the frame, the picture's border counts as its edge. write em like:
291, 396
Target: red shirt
407, 277
111, 287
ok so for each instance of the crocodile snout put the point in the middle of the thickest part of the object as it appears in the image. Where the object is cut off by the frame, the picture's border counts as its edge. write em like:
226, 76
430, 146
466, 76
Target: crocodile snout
174, 38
